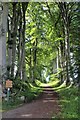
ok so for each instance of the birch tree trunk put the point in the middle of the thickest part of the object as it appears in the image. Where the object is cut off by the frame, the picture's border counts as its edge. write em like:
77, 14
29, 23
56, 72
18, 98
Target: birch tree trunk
3, 30
34, 59
9, 51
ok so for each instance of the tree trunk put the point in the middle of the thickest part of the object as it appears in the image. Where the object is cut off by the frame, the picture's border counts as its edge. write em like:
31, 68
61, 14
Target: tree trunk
30, 67
9, 51
13, 37
34, 59
67, 53
64, 12
19, 68
3, 31
62, 59
24, 7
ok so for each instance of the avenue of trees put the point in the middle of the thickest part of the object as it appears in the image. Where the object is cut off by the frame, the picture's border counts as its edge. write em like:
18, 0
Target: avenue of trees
43, 40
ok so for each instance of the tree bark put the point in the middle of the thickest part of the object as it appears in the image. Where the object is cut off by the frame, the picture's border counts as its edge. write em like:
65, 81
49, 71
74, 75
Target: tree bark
19, 65
13, 37
3, 31
24, 7
64, 12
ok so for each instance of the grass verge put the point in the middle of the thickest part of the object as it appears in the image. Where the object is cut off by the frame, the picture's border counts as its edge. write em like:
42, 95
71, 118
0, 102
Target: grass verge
69, 100
30, 94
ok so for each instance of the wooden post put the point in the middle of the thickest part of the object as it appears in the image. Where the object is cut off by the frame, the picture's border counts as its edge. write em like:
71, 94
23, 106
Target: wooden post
8, 86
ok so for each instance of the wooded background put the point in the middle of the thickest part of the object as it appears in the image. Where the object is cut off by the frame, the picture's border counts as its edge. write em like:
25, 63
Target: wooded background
42, 40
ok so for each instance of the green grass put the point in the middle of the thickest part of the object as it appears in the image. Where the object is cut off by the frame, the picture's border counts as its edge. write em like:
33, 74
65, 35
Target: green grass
31, 93
69, 100
0, 104
53, 83
8, 105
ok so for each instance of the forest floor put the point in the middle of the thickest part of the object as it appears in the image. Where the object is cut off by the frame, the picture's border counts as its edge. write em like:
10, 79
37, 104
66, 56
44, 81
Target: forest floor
45, 106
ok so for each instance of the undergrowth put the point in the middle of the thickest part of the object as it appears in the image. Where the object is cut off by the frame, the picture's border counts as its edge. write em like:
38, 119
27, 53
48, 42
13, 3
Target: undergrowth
69, 100
30, 93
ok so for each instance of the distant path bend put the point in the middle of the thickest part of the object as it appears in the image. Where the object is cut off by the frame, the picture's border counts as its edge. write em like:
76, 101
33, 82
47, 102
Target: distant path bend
45, 106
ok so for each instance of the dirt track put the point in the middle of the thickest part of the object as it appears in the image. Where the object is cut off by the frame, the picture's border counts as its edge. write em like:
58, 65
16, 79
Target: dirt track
45, 106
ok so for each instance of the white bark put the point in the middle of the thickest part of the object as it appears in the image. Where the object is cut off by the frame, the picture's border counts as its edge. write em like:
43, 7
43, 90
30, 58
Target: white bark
55, 65
57, 62
3, 31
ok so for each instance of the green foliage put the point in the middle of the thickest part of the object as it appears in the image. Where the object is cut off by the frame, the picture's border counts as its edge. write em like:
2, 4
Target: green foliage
55, 75
10, 104
54, 83
29, 93
41, 28
44, 23
69, 100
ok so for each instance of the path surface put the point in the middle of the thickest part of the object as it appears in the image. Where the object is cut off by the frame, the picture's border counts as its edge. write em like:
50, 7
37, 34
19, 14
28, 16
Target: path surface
45, 106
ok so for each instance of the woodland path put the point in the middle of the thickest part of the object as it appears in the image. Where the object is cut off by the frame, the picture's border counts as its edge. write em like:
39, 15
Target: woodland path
45, 106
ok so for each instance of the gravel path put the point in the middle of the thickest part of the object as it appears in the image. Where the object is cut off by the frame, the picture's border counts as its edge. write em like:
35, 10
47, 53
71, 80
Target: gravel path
45, 106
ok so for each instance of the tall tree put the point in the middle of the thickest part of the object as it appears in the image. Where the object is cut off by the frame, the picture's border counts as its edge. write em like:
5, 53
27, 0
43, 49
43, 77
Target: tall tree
3, 38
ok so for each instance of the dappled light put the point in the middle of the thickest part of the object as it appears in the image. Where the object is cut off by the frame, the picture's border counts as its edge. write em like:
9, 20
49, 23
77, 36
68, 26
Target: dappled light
65, 101
44, 101
26, 115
